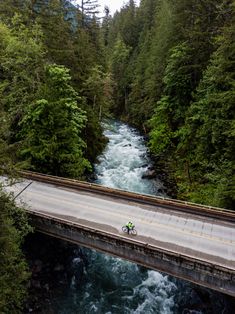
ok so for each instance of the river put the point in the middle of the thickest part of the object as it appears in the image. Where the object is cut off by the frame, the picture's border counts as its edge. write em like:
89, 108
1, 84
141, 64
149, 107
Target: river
106, 285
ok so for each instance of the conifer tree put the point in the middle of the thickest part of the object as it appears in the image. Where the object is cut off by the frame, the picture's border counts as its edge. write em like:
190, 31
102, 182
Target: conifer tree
8, 8
119, 63
14, 272
52, 128
57, 33
155, 41
106, 25
211, 125
21, 55
13, 229
89, 9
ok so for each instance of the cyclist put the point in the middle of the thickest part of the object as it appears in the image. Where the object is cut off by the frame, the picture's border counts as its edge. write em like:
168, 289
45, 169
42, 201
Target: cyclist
130, 226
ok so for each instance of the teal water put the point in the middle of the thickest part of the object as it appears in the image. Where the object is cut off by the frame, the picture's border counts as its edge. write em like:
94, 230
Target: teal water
111, 285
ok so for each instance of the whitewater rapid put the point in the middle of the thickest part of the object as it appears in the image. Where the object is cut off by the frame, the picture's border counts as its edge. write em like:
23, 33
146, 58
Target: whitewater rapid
125, 160
110, 285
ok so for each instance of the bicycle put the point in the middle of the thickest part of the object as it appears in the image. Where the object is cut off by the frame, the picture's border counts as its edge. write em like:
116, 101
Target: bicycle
131, 231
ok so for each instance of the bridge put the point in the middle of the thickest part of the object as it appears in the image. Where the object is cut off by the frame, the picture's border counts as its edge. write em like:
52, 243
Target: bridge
189, 241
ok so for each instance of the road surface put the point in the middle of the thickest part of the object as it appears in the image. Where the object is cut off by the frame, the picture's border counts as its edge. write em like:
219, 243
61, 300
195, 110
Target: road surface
208, 239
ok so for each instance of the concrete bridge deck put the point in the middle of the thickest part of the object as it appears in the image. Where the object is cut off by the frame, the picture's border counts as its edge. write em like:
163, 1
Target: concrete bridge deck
187, 245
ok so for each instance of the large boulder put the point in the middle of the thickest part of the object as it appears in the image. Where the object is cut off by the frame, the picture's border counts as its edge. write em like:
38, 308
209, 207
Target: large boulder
149, 174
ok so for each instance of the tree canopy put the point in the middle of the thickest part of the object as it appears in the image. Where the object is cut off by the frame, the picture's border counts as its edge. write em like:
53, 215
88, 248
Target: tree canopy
166, 67
177, 84
52, 127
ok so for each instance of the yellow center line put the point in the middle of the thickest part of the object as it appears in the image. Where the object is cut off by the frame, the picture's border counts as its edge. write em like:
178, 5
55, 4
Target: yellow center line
141, 218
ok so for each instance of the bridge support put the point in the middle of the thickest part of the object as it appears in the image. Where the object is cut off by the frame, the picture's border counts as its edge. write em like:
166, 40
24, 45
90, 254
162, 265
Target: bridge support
194, 270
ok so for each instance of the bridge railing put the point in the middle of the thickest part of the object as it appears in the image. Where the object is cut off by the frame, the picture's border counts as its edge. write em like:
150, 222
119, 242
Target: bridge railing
158, 201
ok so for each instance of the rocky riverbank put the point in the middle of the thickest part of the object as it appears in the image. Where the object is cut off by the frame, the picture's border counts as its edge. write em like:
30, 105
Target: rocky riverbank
158, 171
67, 280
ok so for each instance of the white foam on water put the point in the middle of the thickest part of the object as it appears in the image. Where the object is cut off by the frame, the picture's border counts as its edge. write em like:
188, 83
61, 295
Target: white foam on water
157, 293
122, 165
112, 285
126, 288
125, 160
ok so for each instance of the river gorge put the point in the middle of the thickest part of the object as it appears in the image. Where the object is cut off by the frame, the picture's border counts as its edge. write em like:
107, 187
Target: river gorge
67, 279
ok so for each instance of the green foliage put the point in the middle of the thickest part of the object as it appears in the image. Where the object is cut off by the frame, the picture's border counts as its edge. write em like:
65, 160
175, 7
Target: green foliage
177, 83
21, 57
13, 268
8, 8
80, 50
13, 221
177, 76
8, 160
170, 62
5, 162
34, 38
119, 61
41, 115
218, 188
57, 32
88, 8
144, 68
95, 143
53, 125
157, 42
129, 26
161, 132
124, 25
98, 89
170, 110
211, 122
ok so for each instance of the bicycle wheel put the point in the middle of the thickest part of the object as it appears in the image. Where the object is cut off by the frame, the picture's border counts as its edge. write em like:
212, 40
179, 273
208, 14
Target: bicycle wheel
133, 232
124, 229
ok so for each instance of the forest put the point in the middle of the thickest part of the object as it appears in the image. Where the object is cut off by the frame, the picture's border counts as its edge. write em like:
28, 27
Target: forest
165, 67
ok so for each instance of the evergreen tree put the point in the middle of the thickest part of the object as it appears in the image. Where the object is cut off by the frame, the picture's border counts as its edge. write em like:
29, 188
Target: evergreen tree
13, 229
170, 111
98, 91
210, 124
58, 32
53, 127
119, 63
129, 29
89, 8
106, 25
21, 56
8, 8
155, 41
13, 268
